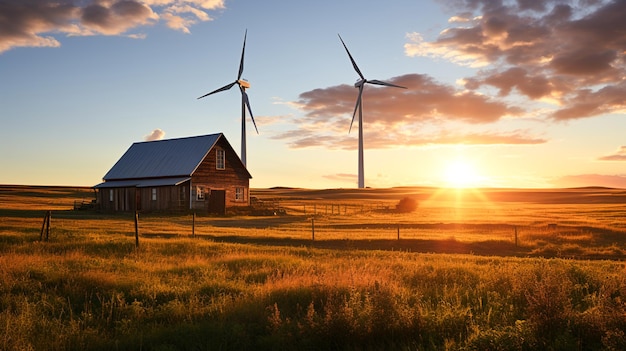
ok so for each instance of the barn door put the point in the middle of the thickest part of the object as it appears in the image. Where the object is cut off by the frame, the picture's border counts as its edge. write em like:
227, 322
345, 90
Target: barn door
217, 202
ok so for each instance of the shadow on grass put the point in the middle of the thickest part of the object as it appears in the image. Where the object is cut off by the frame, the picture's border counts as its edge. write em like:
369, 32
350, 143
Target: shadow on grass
22, 213
261, 222
446, 246
452, 246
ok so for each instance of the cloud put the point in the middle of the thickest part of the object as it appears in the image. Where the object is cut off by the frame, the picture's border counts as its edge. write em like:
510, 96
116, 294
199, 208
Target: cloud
156, 134
423, 100
425, 113
572, 53
582, 180
37, 23
619, 155
587, 103
113, 18
384, 136
487, 138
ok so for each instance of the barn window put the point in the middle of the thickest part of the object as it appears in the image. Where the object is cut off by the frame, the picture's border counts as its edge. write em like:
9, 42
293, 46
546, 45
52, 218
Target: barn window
199, 193
221, 157
111, 195
239, 194
154, 193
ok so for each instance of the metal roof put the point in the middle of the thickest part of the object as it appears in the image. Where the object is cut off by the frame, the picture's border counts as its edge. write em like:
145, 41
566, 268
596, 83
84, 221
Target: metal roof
142, 183
163, 158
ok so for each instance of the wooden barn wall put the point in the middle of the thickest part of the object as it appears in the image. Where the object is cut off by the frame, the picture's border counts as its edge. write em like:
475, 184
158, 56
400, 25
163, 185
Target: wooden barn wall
123, 199
168, 198
228, 179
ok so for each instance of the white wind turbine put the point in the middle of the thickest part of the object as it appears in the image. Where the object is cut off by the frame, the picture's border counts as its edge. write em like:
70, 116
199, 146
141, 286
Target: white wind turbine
359, 105
245, 102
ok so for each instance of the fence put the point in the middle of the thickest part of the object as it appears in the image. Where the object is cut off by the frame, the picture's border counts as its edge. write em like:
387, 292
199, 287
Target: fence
298, 229
304, 208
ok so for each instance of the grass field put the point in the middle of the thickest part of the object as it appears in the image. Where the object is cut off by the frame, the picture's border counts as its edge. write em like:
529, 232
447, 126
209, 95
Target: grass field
468, 270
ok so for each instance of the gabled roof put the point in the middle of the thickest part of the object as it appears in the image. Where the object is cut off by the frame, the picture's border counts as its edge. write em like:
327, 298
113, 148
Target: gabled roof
164, 158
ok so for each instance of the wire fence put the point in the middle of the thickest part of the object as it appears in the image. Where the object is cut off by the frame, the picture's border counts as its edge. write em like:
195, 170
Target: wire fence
304, 223
306, 208
379, 229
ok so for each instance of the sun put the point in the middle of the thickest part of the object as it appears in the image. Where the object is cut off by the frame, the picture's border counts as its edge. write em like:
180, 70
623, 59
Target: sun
460, 173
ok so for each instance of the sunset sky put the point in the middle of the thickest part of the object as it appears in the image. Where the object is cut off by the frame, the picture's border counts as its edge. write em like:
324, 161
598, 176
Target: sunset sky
524, 93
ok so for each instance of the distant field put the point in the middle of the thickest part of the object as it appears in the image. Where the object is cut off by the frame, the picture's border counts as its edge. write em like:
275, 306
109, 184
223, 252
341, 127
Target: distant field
491, 269
575, 223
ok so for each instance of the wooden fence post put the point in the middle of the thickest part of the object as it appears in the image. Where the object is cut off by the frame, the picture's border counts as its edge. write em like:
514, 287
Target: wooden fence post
136, 229
48, 225
312, 229
398, 231
45, 226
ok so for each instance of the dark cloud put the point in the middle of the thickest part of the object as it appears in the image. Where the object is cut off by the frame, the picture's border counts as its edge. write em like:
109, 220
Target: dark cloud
620, 155
531, 5
21, 22
569, 52
587, 103
28, 23
423, 100
116, 18
394, 117
518, 78
583, 62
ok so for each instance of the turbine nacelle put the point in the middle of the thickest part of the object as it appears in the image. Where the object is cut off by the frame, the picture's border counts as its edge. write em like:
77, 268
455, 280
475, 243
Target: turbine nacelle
243, 83
360, 83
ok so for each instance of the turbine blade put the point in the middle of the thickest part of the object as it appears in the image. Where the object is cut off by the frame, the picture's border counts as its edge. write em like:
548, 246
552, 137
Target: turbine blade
243, 51
356, 107
244, 96
225, 87
380, 82
356, 68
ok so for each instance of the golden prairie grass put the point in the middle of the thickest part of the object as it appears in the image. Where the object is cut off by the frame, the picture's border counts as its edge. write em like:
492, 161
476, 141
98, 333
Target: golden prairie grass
262, 283
97, 294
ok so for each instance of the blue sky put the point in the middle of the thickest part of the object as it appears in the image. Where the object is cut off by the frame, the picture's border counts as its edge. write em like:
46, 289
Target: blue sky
500, 93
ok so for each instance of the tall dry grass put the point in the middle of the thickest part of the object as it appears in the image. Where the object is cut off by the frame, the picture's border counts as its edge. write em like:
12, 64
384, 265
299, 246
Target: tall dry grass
261, 283
184, 293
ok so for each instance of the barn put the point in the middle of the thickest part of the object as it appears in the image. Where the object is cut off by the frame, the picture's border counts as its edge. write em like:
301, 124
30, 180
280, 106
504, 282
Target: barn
200, 173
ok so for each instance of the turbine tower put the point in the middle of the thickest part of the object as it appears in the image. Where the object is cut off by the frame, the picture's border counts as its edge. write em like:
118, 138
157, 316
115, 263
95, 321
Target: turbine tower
245, 102
359, 106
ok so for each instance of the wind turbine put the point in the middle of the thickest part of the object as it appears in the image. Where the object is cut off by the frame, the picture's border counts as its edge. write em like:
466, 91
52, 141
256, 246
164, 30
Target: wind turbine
359, 106
245, 102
